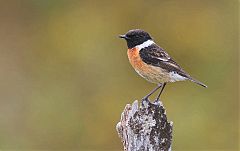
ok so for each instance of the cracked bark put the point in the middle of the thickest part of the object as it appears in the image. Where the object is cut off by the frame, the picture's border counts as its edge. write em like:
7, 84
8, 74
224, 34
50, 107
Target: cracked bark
145, 128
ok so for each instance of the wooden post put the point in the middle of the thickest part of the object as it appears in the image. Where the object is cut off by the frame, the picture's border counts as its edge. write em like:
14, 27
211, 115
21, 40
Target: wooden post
145, 128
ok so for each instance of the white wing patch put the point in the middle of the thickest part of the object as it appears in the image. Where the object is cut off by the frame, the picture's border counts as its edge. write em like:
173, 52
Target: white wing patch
163, 56
163, 59
149, 43
176, 77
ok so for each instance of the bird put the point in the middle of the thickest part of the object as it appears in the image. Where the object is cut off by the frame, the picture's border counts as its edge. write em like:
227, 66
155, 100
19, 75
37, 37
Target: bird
152, 62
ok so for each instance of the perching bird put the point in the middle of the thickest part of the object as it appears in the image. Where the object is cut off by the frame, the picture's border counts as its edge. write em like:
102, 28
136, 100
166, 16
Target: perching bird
151, 61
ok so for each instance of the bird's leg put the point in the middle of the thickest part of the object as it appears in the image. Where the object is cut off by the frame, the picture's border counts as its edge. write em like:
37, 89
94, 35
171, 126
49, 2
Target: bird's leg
164, 84
154, 90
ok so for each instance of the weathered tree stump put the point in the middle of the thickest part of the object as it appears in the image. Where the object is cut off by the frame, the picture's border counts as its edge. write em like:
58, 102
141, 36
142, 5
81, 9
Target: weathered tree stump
145, 128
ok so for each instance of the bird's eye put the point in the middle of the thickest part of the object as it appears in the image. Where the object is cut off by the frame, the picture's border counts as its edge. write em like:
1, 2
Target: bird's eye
129, 36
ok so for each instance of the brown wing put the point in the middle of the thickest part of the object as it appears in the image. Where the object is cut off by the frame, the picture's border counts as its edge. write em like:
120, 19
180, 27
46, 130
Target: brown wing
156, 56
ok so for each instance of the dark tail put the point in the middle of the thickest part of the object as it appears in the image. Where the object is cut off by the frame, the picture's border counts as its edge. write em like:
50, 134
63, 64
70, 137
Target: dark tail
198, 82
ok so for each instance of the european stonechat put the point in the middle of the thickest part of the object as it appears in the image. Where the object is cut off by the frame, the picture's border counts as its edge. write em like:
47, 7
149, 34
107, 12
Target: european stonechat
151, 61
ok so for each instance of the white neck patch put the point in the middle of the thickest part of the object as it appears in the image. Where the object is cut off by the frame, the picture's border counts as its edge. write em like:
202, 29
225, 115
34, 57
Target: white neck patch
145, 44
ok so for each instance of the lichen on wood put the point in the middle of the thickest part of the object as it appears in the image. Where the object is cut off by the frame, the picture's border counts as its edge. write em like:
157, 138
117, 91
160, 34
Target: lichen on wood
145, 128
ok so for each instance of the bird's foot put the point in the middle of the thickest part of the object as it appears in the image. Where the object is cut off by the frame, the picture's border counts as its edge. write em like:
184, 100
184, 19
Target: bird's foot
145, 101
157, 101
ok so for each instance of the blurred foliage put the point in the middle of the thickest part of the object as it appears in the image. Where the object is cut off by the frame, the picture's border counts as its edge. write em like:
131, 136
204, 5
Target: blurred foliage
65, 76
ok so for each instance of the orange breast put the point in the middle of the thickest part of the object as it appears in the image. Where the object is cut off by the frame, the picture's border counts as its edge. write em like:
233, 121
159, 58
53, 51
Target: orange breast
134, 58
149, 72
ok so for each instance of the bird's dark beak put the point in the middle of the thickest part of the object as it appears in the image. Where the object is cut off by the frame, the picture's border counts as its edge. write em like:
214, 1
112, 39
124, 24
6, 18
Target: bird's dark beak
123, 36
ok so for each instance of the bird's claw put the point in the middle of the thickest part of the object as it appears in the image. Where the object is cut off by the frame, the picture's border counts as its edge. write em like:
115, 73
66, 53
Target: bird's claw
145, 101
157, 101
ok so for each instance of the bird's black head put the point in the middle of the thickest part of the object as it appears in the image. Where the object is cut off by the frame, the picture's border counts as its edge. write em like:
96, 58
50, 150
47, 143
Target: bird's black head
135, 37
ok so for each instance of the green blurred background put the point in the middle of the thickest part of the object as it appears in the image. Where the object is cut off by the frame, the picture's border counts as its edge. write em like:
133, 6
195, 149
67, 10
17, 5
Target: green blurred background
65, 76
